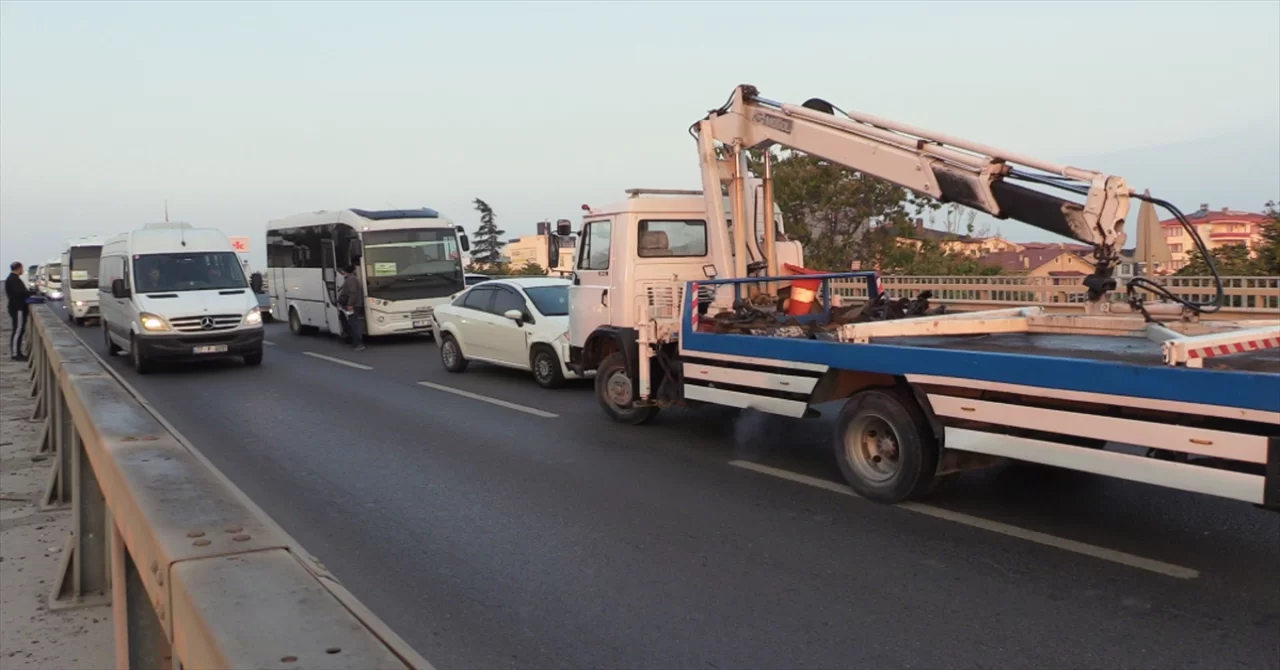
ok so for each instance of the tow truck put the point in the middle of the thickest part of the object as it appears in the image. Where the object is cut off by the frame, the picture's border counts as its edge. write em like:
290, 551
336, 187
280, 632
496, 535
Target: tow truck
923, 397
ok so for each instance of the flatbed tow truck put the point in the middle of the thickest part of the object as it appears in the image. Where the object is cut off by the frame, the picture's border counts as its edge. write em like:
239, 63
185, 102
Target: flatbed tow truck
659, 275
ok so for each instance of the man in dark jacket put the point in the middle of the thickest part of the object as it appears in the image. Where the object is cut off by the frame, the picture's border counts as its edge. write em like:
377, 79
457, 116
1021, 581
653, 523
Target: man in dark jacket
351, 302
16, 293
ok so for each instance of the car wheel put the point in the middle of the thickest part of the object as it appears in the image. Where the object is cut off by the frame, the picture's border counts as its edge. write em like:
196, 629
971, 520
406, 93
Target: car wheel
451, 354
546, 367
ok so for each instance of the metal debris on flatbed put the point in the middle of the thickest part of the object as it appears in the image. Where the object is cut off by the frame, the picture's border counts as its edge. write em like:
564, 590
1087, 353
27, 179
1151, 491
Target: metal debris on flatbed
758, 315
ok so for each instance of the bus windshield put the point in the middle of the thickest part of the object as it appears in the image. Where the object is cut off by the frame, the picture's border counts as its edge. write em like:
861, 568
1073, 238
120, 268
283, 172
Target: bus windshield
412, 263
53, 271
84, 266
200, 271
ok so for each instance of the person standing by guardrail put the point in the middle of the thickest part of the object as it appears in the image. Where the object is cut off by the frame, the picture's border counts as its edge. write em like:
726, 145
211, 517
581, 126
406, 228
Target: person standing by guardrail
351, 300
16, 292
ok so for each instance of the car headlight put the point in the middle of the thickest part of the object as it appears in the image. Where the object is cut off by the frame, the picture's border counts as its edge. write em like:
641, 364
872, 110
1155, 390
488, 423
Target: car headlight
254, 317
153, 323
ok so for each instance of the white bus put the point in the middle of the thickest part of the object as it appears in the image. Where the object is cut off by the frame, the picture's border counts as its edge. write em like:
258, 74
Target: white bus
49, 279
408, 260
80, 282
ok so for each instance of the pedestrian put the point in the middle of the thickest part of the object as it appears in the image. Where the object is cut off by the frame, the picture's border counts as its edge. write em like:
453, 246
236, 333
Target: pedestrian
351, 301
16, 291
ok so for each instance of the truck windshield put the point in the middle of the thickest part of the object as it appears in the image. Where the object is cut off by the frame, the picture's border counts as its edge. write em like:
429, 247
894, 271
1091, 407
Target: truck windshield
84, 266
413, 263
199, 271
550, 300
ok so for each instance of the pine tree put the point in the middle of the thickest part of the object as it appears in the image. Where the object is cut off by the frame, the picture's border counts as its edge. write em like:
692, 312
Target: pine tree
487, 249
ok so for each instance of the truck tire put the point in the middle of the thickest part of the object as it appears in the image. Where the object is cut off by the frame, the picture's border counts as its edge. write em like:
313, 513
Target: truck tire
885, 447
616, 393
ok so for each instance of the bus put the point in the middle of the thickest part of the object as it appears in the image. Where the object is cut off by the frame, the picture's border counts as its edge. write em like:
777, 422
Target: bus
49, 279
80, 288
407, 260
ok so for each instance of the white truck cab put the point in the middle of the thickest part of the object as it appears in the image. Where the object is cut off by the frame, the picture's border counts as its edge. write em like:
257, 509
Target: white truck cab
170, 291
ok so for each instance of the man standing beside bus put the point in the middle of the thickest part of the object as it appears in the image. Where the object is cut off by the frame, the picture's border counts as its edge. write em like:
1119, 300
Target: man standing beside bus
16, 291
351, 301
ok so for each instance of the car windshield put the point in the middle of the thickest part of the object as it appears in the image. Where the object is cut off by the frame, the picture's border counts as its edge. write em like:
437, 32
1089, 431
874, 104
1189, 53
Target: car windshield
84, 266
200, 271
550, 300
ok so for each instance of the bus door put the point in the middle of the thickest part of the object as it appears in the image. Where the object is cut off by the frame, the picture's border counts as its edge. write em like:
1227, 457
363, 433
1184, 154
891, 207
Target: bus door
329, 272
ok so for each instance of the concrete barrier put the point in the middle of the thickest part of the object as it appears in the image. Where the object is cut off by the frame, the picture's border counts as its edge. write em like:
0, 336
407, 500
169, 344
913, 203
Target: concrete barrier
196, 575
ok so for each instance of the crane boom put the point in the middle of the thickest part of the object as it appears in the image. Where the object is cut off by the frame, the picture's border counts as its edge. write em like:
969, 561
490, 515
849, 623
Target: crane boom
945, 168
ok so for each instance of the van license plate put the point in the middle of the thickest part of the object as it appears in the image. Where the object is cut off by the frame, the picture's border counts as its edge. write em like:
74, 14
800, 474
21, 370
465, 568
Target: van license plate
422, 324
210, 349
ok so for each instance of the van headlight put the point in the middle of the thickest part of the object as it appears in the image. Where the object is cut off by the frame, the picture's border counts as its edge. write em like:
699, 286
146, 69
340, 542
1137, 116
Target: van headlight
254, 317
153, 323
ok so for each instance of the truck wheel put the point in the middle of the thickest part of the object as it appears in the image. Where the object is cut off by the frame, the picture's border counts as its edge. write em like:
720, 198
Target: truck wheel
140, 363
885, 447
617, 395
451, 354
546, 367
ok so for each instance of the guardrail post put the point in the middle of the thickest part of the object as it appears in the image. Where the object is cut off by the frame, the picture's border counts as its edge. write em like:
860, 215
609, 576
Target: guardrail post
83, 577
40, 384
57, 490
139, 636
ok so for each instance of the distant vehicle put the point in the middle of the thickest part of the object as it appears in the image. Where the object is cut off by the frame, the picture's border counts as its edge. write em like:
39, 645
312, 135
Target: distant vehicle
49, 279
170, 291
32, 271
520, 323
80, 264
409, 262
473, 279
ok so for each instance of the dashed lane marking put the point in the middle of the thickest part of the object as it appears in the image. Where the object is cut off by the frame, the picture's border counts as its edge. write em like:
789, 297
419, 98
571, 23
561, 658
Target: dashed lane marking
339, 361
269, 343
1150, 565
494, 401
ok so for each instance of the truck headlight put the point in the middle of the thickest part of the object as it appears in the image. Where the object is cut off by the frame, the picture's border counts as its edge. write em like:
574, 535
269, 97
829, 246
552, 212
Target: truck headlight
254, 317
153, 323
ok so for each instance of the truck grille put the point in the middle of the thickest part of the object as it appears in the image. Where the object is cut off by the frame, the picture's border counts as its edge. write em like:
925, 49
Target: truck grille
205, 324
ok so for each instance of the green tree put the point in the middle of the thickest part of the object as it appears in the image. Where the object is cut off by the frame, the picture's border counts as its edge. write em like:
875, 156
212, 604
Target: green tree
530, 269
1268, 260
487, 249
1231, 260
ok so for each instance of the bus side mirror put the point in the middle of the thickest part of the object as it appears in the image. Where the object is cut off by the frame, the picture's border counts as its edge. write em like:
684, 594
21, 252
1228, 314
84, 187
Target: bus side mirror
119, 290
355, 250
466, 243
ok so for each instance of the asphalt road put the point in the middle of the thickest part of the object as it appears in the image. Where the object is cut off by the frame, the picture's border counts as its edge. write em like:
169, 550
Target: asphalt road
538, 534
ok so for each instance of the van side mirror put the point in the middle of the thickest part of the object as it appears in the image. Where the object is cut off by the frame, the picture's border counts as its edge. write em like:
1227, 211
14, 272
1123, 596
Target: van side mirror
119, 290
355, 250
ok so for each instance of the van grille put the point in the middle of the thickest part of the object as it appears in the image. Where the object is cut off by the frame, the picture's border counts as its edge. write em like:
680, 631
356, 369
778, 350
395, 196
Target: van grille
214, 323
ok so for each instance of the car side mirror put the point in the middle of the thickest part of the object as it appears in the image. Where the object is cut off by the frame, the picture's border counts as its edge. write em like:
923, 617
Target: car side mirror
119, 290
515, 315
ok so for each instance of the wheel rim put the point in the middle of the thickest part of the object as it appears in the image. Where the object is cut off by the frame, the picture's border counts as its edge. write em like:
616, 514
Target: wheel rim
871, 446
542, 367
294, 324
450, 353
618, 390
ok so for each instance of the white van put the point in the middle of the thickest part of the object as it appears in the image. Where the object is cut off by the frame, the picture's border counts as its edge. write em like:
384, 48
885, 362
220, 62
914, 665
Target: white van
170, 291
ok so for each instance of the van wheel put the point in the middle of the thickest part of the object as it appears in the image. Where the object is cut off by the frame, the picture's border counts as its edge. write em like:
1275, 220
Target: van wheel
616, 393
253, 360
451, 354
112, 347
141, 365
546, 367
885, 447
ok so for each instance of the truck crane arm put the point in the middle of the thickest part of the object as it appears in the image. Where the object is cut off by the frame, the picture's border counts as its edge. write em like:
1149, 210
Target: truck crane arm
946, 168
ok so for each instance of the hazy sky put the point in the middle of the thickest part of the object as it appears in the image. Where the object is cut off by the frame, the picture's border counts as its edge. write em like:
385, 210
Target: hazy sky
239, 112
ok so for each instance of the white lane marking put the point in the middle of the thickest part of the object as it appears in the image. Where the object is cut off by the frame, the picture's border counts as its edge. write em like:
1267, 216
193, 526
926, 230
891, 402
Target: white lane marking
339, 361
495, 401
269, 343
1150, 565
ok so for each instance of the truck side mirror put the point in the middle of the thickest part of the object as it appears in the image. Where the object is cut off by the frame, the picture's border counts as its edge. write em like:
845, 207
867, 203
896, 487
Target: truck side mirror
119, 290
355, 250
553, 252
564, 228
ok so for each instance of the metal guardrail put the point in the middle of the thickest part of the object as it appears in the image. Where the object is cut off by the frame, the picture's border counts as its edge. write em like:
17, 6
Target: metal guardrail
1245, 297
196, 575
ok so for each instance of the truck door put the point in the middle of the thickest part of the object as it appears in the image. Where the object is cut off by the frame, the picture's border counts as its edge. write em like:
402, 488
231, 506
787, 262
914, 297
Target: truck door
329, 273
589, 294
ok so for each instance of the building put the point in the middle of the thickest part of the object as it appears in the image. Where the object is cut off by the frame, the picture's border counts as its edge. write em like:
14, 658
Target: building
519, 252
956, 243
1042, 259
1217, 228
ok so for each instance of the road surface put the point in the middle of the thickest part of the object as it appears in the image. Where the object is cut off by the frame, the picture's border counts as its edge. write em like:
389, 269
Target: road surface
494, 524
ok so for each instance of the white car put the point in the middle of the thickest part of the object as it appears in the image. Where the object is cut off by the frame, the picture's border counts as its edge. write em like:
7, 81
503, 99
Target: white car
520, 323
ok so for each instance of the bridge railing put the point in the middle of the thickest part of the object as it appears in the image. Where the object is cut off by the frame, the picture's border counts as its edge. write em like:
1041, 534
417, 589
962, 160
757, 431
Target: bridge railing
1245, 297
197, 576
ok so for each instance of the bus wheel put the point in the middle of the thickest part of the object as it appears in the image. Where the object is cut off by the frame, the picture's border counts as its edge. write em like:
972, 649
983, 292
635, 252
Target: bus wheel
295, 323
885, 447
617, 395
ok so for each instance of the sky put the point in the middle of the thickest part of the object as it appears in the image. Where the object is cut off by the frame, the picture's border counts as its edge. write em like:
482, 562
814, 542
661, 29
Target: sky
236, 113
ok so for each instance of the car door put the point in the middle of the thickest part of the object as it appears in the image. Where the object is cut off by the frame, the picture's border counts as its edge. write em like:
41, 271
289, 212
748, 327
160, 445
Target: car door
507, 336
589, 293
472, 322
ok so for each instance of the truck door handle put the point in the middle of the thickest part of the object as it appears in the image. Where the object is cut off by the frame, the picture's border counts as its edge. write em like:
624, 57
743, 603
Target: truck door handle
604, 297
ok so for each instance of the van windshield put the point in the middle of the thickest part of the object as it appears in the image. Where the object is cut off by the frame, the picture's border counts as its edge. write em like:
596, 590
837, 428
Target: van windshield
200, 271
